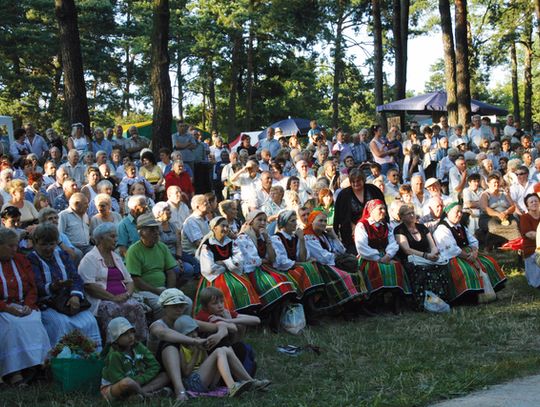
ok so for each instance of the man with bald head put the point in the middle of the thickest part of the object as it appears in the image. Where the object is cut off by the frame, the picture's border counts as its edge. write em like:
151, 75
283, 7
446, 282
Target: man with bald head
55, 190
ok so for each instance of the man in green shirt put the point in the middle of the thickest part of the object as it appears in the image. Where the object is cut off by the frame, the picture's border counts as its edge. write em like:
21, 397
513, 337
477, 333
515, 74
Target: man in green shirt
151, 264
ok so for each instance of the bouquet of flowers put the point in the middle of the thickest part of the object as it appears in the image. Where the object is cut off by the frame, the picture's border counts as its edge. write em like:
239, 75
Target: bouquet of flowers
75, 345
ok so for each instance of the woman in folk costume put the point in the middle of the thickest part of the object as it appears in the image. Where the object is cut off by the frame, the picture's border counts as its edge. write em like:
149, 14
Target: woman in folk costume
221, 266
461, 249
53, 271
274, 288
376, 248
292, 259
24, 340
323, 245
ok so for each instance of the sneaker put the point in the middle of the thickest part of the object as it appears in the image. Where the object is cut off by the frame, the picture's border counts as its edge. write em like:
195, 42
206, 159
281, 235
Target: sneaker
261, 385
239, 387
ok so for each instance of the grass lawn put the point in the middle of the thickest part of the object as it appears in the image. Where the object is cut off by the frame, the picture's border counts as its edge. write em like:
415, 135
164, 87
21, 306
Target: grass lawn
413, 359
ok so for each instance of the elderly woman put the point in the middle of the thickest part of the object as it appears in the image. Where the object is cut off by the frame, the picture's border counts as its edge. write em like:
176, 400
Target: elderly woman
171, 236
132, 178
104, 187
77, 140
273, 287
60, 288
108, 284
29, 214
377, 248
528, 226
292, 259
151, 171
24, 340
325, 248
221, 266
420, 255
461, 249
496, 220
229, 210
103, 203
349, 206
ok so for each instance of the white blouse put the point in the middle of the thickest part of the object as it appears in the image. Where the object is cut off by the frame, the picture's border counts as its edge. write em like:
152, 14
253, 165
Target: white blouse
446, 242
323, 256
210, 269
250, 255
366, 251
282, 261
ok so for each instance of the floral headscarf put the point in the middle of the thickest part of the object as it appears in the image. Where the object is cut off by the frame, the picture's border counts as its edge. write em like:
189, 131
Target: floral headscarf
308, 230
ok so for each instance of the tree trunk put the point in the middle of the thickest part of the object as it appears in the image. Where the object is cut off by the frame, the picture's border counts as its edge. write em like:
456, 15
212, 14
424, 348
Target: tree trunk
515, 89
527, 73
212, 98
129, 74
398, 50
251, 39
70, 47
233, 88
377, 54
462, 64
338, 67
449, 61
159, 77
55, 85
537, 13
203, 115
180, 79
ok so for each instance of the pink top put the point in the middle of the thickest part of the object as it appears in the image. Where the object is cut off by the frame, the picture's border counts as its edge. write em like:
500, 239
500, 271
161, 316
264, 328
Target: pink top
115, 281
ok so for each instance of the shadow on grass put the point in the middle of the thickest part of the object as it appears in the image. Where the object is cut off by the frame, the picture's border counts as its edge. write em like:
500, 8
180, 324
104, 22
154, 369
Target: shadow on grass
413, 359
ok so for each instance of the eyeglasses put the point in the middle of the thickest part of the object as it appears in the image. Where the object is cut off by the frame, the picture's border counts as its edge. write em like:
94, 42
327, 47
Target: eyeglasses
521, 173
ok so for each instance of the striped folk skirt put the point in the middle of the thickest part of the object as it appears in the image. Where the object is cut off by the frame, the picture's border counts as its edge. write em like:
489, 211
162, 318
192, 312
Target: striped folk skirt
381, 276
271, 285
238, 292
306, 279
465, 276
340, 286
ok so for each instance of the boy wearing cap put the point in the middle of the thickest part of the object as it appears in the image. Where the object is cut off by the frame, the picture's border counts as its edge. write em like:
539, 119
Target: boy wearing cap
130, 368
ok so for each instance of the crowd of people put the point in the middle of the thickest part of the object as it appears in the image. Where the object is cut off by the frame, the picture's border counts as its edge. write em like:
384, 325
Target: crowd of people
99, 234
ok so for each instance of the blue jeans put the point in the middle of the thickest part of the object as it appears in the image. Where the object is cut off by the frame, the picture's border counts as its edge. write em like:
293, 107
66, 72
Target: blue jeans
192, 267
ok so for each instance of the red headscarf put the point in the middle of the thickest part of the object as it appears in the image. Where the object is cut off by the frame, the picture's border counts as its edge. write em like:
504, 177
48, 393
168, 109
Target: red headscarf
370, 205
308, 230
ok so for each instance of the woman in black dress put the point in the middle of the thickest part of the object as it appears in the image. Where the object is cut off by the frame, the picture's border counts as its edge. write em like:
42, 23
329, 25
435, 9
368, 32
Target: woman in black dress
349, 207
420, 255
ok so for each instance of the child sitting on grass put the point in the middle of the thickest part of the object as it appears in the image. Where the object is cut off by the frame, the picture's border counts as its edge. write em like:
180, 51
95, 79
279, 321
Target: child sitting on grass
213, 310
130, 368
202, 372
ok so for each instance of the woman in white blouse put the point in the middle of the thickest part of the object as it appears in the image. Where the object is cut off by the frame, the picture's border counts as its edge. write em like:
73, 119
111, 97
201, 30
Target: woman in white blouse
222, 267
376, 248
325, 248
460, 247
292, 259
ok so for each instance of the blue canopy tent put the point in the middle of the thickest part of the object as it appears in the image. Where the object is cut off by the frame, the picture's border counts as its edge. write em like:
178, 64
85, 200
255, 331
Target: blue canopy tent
435, 102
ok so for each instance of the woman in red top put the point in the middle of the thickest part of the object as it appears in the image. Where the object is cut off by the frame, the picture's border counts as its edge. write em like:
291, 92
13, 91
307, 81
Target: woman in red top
180, 178
25, 343
528, 225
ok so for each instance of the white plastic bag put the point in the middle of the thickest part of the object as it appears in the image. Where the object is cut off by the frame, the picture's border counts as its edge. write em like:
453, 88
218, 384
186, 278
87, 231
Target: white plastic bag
489, 293
293, 319
434, 303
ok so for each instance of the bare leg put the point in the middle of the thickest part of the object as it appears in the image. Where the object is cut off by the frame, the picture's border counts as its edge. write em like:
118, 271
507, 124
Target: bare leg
171, 361
236, 367
123, 389
161, 380
208, 372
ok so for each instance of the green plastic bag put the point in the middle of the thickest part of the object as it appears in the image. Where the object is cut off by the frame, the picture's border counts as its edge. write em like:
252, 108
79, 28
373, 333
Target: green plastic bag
77, 374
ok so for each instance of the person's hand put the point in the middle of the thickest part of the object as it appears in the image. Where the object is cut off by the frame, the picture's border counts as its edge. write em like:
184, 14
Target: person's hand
18, 311
385, 259
121, 297
182, 396
212, 341
217, 318
300, 233
432, 257
74, 303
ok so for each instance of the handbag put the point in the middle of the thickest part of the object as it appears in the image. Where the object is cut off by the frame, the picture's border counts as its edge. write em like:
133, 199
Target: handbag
293, 319
489, 293
58, 301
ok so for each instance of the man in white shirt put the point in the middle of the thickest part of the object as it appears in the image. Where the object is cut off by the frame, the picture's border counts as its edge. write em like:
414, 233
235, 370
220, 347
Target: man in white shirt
509, 129
270, 143
73, 221
74, 168
195, 226
307, 181
457, 178
520, 189
179, 210
246, 178
263, 187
